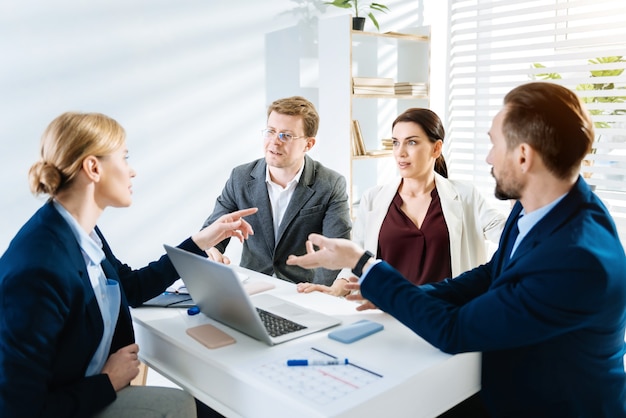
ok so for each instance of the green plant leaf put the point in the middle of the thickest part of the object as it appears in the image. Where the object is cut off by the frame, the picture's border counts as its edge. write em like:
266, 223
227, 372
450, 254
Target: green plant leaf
606, 60
545, 76
374, 21
379, 7
596, 87
344, 4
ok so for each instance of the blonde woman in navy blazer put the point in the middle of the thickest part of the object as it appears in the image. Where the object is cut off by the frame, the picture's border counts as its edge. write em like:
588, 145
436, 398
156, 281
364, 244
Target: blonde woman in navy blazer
548, 312
67, 346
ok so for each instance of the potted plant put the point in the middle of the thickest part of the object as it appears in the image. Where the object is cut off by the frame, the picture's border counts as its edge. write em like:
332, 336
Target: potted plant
358, 21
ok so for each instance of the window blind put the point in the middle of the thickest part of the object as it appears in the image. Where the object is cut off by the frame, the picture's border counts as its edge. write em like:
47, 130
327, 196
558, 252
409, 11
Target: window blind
496, 45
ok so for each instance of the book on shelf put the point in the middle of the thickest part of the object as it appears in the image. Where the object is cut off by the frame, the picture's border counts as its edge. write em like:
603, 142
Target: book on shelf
372, 85
410, 92
372, 81
359, 144
409, 83
410, 88
354, 143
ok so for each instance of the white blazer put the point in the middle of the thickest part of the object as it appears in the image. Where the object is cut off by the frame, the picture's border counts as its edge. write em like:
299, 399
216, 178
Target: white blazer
470, 220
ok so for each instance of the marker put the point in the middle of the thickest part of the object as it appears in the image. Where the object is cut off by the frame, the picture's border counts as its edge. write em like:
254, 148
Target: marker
194, 310
334, 362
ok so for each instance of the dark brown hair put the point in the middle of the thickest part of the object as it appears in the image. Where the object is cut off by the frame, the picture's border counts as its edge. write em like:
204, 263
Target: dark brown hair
552, 120
432, 126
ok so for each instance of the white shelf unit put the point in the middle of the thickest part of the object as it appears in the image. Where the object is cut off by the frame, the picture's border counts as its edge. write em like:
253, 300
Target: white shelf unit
345, 53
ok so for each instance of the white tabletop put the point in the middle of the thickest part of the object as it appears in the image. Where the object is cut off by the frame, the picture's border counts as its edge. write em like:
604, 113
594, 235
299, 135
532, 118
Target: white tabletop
398, 373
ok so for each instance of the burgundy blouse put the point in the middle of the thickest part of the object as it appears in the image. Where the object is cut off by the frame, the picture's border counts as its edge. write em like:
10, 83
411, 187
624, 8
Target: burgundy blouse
422, 255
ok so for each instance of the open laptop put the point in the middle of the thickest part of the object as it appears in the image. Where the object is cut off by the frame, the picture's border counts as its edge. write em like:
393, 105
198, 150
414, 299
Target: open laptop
221, 296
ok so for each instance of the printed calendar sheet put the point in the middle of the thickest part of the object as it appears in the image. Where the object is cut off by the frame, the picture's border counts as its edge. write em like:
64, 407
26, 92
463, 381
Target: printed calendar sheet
321, 384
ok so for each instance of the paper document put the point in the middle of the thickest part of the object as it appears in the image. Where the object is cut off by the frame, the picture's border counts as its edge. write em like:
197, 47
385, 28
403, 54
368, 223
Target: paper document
321, 384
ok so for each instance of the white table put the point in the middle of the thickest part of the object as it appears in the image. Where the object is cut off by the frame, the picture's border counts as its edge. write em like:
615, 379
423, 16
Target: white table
237, 380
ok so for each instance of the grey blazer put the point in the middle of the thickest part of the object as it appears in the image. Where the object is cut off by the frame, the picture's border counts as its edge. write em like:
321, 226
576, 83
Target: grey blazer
319, 204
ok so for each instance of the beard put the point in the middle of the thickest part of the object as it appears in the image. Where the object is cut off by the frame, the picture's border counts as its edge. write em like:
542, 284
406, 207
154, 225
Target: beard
506, 192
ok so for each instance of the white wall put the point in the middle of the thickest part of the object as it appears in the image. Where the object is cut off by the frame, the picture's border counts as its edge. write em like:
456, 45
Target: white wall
187, 79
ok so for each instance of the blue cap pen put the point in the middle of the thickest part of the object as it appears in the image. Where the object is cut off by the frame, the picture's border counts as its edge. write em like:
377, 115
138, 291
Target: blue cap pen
194, 310
303, 362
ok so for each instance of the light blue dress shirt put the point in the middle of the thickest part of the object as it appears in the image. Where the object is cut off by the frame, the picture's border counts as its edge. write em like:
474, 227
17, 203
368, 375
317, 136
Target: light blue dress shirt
526, 221
107, 291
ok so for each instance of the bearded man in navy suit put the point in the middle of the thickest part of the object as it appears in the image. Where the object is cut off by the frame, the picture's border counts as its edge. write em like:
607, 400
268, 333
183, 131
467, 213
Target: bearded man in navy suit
548, 312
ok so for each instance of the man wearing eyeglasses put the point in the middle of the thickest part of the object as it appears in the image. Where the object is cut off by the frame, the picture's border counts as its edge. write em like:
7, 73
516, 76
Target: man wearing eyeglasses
296, 196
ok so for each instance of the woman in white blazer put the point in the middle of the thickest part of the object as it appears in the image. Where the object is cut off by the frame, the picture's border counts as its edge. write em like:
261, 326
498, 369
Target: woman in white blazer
426, 224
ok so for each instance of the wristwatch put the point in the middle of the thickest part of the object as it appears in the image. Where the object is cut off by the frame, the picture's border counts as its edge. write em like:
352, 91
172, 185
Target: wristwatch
358, 269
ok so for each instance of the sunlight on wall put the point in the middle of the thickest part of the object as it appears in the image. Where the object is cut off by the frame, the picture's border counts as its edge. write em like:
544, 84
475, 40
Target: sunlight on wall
185, 79
188, 80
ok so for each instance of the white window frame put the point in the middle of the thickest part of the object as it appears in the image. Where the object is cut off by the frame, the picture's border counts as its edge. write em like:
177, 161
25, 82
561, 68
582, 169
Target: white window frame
495, 45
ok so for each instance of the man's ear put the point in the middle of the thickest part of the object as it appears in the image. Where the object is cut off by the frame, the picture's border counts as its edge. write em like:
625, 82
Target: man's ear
526, 157
310, 143
91, 167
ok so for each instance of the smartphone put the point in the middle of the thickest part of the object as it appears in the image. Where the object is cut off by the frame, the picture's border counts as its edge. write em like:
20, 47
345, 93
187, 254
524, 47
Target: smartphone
350, 333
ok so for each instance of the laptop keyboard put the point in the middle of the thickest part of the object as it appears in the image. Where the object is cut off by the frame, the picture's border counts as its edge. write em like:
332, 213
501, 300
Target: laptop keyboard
276, 325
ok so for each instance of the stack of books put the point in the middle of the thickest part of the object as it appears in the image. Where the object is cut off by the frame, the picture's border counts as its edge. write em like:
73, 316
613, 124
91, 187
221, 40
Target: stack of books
387, 144
372, 85
411, 89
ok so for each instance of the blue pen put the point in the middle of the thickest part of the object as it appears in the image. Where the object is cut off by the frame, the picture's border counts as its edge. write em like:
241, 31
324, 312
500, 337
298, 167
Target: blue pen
303, 362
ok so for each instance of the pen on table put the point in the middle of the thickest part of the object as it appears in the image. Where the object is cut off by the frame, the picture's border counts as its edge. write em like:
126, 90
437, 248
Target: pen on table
304, 362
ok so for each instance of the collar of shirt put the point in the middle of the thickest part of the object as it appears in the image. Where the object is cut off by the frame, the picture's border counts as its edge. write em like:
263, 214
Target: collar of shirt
527, 221
295, 180
90, 244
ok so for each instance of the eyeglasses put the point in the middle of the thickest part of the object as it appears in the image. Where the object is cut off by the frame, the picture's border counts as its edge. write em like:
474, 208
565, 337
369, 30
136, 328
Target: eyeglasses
282, 136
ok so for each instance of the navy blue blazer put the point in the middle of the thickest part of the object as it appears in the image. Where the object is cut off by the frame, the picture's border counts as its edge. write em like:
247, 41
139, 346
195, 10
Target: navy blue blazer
319, 204
50, 322
550, 323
